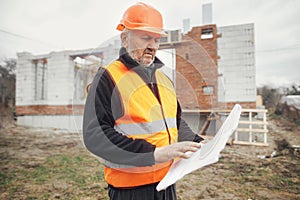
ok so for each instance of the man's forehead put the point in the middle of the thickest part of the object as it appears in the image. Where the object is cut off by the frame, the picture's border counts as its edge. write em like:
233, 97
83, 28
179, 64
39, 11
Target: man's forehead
145, 33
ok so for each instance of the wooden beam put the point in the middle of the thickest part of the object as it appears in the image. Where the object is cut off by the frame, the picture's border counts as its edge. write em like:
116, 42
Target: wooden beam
253, 122
250, 143
251, 130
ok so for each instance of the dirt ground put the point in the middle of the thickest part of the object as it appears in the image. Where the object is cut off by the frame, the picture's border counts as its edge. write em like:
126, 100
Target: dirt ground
53, 164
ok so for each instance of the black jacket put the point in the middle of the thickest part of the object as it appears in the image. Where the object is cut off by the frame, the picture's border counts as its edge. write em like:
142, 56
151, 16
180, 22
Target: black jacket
103, 107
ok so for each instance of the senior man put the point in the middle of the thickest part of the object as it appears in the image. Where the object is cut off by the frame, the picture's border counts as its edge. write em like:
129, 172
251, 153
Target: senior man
132, 118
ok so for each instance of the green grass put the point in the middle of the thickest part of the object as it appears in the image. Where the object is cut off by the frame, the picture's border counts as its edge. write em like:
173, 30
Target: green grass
67, 175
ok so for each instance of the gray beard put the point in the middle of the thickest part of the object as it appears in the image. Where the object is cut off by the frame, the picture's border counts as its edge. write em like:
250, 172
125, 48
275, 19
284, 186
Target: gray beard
139, 61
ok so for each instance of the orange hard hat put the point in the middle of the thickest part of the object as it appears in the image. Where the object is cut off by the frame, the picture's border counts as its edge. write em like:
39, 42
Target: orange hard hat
142, 17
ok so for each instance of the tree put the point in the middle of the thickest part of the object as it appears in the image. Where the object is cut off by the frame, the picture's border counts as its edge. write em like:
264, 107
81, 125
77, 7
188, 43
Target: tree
7, 82
295, 90
271, 97
8, 69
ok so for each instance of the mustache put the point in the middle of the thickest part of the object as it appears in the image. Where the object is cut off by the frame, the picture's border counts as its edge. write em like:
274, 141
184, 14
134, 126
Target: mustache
149, 50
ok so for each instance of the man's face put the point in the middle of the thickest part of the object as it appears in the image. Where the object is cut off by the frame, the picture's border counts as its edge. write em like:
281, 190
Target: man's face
141, 45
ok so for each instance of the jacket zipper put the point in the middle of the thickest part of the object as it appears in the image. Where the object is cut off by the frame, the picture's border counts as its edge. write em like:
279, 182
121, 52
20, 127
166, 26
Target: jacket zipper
162, 110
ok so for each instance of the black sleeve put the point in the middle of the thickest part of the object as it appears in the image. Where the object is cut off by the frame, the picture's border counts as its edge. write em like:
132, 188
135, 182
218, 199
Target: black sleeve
185, 133
102, 107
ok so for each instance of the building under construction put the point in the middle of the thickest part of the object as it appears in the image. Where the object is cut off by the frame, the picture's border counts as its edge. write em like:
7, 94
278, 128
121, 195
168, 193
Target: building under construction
212, 68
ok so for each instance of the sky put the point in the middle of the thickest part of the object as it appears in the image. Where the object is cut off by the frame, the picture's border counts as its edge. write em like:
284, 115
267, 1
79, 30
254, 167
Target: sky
42, 26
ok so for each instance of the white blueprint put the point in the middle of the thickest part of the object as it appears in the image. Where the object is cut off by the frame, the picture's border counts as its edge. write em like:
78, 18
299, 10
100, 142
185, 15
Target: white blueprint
208, 154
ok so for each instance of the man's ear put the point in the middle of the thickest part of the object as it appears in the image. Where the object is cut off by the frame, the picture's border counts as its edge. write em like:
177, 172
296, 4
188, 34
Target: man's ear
124, 36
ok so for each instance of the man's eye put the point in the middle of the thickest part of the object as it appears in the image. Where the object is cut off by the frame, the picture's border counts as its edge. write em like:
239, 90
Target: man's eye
156, 40
147, 38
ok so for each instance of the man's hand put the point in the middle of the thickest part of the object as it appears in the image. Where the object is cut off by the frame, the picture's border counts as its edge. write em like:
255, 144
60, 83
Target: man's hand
180, 149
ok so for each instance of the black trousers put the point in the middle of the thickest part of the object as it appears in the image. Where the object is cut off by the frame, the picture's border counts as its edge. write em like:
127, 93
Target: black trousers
146, 192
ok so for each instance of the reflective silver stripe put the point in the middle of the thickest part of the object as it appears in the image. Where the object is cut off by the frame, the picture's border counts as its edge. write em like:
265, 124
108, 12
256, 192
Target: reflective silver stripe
145, 128
115, 165
135, 169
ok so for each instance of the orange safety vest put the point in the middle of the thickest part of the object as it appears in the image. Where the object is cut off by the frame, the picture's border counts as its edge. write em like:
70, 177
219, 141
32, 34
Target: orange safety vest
144, 118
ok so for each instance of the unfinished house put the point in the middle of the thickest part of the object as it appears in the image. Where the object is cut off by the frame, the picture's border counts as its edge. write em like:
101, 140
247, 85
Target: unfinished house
51, 88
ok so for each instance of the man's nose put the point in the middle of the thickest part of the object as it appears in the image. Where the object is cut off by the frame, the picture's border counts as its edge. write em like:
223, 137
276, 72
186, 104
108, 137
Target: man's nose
153, 44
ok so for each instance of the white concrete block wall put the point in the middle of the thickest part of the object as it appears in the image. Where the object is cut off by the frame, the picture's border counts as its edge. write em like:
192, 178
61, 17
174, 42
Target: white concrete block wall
60, 79
68, 122
237, 63
25, 79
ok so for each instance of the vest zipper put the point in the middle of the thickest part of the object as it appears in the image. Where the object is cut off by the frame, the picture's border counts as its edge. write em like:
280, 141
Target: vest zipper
162, 110
163, 114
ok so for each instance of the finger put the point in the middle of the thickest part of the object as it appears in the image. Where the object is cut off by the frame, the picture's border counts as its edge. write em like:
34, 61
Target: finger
183, 146
196, 145
193, 144
193, 147
203, 142
184, 155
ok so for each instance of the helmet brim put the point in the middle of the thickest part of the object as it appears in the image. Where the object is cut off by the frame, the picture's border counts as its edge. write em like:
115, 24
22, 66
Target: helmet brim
159, 31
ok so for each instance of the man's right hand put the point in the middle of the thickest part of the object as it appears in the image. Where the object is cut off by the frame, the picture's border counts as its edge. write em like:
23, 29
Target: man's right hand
176, 150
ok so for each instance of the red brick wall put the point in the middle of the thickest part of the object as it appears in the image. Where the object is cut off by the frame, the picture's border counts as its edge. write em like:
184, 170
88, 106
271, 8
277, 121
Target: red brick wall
196, 66
49, 110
